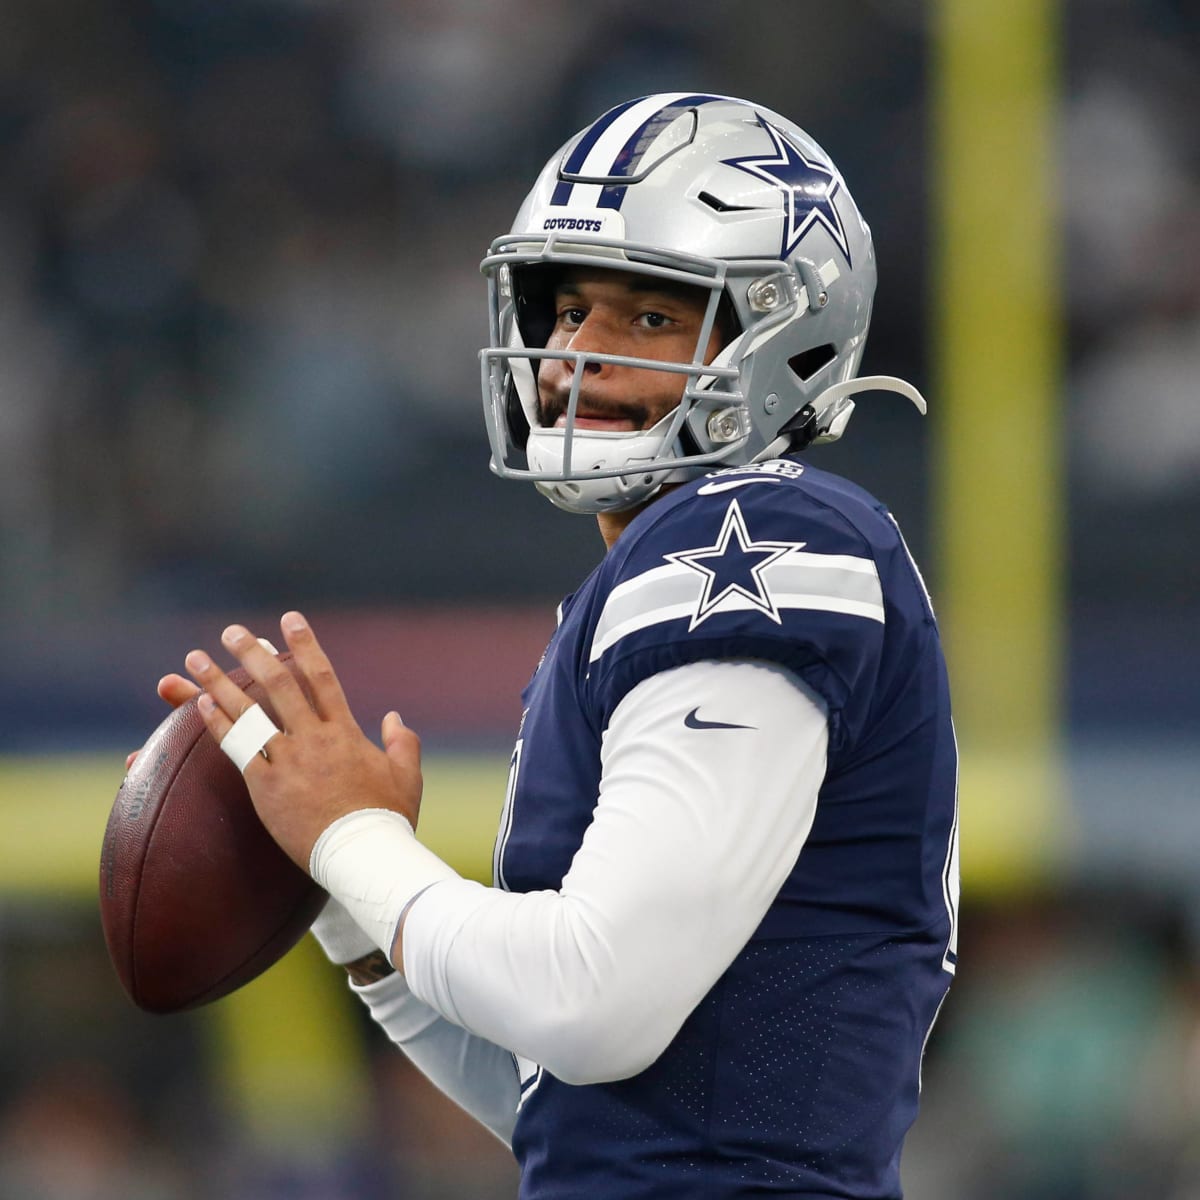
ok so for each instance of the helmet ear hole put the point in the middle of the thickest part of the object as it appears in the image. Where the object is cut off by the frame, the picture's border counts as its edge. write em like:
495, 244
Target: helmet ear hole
514, 412
808, 362
533, 290
727, 323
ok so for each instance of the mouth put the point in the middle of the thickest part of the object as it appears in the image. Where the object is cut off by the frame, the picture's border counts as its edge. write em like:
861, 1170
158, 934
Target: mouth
603, 424
596, 417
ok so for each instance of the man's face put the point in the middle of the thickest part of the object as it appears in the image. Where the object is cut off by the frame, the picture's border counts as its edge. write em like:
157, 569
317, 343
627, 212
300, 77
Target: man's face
620, 312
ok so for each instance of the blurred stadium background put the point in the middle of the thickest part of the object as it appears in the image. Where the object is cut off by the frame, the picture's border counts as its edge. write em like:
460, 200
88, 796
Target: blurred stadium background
239, 311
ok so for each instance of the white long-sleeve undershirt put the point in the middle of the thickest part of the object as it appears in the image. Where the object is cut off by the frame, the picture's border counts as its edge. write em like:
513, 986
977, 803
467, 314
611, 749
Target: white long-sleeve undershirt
694, 832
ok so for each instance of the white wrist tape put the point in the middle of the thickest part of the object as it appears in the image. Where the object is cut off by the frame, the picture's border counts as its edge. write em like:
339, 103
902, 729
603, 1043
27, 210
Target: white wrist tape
371, 861
248, 735
337, 934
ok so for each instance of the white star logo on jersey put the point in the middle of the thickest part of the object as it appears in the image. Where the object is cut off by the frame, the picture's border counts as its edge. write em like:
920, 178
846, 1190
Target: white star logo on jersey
734, 567
808, 188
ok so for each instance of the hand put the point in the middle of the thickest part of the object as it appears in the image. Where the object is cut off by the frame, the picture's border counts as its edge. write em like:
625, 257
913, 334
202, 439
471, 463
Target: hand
176, 691
321, 766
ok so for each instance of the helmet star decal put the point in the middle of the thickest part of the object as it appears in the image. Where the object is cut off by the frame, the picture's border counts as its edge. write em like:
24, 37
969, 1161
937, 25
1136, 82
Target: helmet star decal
808, 188
734, 567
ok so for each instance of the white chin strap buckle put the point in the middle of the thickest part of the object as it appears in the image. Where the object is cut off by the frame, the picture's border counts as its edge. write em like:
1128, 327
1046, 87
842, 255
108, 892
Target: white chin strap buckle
248, 736
835, 406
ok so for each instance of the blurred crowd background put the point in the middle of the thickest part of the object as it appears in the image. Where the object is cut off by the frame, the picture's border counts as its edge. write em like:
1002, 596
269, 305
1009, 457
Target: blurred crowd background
239, 316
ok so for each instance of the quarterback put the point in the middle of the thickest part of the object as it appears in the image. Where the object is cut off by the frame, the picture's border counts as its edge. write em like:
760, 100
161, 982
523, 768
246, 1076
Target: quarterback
723, 915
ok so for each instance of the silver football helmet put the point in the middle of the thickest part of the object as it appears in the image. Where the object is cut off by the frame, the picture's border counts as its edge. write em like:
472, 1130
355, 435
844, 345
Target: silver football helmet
704, 190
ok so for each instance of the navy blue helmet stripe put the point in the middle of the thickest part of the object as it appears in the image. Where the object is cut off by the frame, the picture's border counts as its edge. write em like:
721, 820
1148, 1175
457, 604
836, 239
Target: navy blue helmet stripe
631, 154
628, 159
562, 193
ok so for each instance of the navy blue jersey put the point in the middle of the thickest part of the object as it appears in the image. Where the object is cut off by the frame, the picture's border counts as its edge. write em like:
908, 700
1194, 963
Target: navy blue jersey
797, 1075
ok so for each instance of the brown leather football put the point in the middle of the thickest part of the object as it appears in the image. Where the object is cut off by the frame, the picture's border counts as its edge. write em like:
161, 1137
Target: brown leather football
196, 898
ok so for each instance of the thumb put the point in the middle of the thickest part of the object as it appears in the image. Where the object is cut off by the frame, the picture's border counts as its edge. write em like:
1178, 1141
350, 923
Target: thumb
401, 744
403, 749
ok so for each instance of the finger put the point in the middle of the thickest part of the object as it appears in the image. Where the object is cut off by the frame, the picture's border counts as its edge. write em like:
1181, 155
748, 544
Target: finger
216, 684
216, 719
403, 749
245, 740
176, 690
400, 742
219, 724
282, 688
315, 666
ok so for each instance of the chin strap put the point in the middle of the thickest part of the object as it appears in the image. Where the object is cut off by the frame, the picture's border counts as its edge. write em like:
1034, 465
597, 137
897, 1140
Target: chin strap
835, 406
825, 419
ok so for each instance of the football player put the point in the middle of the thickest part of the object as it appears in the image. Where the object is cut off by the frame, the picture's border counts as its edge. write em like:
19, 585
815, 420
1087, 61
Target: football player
724, 909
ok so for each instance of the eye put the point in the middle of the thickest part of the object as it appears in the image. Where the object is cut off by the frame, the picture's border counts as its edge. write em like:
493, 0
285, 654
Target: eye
655, 320
570, 314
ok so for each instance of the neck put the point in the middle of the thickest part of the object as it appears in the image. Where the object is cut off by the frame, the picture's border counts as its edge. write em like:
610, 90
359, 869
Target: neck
613, 524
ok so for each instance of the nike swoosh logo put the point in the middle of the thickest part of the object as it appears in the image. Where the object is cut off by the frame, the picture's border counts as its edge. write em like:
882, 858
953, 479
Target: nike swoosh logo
692, 721
725, 485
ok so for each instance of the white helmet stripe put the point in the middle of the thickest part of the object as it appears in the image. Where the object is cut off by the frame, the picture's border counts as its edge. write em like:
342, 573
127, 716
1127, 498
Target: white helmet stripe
603, 154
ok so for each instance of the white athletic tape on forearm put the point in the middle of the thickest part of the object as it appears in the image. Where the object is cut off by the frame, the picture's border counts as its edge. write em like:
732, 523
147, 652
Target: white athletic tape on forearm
371, 861
337, 934
248, 735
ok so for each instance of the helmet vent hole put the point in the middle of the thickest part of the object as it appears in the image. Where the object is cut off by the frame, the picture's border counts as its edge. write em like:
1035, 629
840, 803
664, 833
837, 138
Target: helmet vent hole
718, 205
808, 362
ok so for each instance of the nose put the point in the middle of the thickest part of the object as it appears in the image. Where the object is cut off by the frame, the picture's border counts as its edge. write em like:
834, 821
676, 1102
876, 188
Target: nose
594, 335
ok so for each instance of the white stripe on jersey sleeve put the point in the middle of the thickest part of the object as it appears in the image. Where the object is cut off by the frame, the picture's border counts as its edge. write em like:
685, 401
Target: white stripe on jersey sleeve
800, 579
